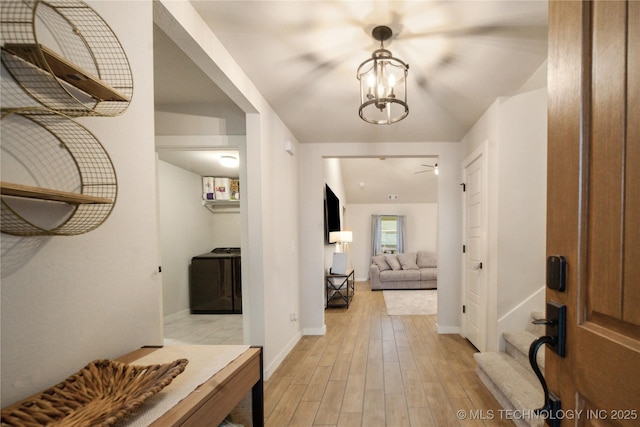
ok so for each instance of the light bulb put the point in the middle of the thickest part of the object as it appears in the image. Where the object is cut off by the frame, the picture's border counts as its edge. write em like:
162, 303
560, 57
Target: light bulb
371, 80
392, 81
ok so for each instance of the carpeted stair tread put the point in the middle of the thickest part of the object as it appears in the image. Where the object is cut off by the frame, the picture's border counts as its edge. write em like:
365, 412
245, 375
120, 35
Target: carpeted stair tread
517, 345
514, 386
538, 330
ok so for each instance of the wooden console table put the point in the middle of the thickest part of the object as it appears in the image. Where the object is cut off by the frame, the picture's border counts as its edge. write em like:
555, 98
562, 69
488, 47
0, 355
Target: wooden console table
211, 402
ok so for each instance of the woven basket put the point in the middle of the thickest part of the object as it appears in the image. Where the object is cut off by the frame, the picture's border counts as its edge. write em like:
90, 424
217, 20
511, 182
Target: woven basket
100, 394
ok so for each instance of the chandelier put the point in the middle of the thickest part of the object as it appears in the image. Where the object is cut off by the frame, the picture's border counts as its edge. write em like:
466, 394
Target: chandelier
383, 84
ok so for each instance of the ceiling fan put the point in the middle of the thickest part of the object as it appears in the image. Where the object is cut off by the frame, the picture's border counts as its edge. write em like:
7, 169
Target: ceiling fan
432, 168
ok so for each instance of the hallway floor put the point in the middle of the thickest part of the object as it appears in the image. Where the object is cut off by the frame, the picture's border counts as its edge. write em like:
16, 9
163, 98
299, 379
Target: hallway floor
369, 370
209, 329
372, 369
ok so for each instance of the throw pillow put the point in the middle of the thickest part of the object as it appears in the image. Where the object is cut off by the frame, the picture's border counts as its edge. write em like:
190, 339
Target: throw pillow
393, 262
380, 262
427, 259
408, 261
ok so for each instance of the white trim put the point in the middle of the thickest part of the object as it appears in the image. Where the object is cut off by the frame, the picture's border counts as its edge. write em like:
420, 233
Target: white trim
198, 142
269, 370
315, 331
448, 329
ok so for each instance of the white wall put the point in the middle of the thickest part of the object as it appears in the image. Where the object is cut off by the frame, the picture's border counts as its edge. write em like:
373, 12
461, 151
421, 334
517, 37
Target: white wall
312, 246
421, 230
515, 128
523, 198
281, 242
226, 229
187, 229
69, 300
270, 199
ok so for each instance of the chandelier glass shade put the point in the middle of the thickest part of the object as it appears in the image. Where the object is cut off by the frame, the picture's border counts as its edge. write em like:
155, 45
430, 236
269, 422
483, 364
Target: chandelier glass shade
383, 84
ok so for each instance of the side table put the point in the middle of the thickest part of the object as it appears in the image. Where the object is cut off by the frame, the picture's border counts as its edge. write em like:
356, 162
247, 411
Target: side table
340, 288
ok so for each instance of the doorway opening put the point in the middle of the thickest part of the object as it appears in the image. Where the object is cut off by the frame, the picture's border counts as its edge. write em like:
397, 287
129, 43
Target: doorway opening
196, 124
388, 188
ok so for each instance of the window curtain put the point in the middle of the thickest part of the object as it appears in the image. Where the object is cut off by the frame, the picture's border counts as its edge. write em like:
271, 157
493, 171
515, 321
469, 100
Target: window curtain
400, 230
376, 235
376, 240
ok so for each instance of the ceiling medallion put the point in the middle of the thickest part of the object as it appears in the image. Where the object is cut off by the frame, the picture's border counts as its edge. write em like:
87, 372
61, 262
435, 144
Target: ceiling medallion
383, 84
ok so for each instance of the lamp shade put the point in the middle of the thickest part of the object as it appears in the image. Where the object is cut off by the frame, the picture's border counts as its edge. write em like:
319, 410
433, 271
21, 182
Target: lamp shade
340, 237
334, 237
346, 236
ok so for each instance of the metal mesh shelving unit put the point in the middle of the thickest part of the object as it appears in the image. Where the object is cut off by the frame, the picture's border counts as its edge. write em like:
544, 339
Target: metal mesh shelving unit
72, 185
62, 55
62, 60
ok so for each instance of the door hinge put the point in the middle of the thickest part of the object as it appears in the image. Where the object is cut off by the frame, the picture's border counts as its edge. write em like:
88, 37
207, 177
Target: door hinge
464, 187
464, 249
464, 309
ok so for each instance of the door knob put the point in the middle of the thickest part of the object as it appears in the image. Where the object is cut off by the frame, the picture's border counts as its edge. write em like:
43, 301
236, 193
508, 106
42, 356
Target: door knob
477, 266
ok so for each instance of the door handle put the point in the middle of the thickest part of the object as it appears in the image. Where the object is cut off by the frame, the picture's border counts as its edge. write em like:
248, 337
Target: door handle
552, 405
555, 339
478, 266
555, 326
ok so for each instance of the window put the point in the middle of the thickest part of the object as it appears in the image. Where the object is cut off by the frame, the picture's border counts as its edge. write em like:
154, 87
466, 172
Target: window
389, 234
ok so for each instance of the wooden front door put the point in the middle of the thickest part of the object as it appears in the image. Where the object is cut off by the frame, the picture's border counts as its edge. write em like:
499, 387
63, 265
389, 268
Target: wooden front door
593, 216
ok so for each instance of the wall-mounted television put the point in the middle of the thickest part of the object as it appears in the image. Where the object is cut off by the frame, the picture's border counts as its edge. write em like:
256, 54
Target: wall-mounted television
331, 212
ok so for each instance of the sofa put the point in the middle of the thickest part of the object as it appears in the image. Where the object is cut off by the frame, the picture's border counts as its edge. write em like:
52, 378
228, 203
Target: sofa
411, 270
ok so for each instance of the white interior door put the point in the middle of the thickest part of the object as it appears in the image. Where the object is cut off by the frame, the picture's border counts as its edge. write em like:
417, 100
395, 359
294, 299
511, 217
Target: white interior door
474, 262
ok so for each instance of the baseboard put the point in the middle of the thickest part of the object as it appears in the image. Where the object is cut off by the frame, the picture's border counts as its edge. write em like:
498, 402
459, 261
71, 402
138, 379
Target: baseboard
315, 331
448, 329
269, 370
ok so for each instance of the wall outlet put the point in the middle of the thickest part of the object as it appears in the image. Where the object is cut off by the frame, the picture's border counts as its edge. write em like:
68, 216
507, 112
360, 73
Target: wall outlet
293, 317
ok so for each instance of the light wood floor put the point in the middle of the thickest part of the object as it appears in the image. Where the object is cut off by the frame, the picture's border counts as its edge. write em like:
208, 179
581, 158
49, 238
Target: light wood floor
372, 369
369, 370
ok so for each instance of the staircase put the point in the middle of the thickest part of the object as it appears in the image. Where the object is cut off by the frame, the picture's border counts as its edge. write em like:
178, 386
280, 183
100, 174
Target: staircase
509, 376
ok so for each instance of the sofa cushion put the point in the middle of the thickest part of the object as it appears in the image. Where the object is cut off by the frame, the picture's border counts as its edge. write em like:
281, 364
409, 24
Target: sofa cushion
399, 275
428, 274
381, 262
426, 259
393, 262
408, 261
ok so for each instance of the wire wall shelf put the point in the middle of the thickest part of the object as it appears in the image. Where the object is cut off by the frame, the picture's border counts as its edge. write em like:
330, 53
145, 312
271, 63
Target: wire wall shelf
62, 55
60, 60
57, 177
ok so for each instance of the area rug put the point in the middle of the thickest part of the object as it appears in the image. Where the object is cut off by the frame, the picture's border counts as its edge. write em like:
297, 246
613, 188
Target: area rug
411, 302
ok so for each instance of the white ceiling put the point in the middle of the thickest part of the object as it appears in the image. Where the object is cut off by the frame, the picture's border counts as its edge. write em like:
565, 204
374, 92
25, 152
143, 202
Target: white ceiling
405, 177
200, 162
303, 55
